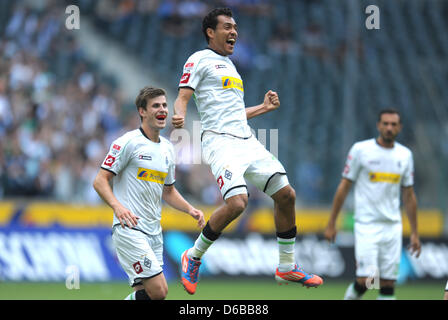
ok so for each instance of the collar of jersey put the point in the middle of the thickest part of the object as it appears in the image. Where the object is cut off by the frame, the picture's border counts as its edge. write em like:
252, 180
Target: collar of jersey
215, 52
144, 134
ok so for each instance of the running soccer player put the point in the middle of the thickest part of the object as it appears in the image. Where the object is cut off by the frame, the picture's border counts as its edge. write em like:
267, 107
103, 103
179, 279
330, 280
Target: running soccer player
231, 150
380, 169
141, 166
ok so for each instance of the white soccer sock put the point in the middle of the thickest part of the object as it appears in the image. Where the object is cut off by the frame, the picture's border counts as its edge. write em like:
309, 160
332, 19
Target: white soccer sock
385, 297
351, 294
131, 296
286, 254
200, 247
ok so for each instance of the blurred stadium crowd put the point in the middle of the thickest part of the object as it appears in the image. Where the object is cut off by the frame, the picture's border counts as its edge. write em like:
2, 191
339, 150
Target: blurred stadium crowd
59, 112
55, 110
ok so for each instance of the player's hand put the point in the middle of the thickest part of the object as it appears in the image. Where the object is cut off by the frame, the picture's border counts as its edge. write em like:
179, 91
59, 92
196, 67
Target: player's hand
330, 233
125, 216
178, 121
271, 100
198, 215
415, 246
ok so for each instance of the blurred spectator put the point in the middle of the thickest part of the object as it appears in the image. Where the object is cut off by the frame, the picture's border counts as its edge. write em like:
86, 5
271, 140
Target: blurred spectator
313, 41
53, 123
310, 182
282, 42
357, 47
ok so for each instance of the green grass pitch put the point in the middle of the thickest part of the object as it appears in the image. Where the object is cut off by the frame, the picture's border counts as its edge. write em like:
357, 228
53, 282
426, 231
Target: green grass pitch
213, 290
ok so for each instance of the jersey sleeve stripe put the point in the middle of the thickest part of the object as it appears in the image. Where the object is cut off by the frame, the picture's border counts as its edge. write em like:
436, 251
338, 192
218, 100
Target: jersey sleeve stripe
109, 170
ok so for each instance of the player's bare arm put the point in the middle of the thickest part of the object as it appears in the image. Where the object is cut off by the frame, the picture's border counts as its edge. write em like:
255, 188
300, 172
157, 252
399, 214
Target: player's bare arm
410, 205
102, 186
175, 200
271, 102
180, 107
338, 200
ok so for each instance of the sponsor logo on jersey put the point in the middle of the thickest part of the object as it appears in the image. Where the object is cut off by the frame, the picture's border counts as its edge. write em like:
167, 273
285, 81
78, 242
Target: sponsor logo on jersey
220, 182
137, 267
231, 82
384, 177
143, 157
109, 161
220, 66
115, 149
185, 77
151, 175
189, 65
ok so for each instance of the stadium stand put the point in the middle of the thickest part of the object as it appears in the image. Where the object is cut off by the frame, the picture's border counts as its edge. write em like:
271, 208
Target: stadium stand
332, 74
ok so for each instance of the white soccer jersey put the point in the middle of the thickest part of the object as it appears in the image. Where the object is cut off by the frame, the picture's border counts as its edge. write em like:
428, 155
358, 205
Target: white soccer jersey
141, 167
218, 92
378, 173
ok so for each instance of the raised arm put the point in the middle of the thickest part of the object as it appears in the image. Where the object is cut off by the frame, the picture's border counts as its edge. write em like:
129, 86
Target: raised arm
270, 102
180, 107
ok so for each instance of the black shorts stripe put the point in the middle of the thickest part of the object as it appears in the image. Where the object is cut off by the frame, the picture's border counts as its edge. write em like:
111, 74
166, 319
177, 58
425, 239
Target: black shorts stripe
138, 281
267, 182
109, 171
240, 186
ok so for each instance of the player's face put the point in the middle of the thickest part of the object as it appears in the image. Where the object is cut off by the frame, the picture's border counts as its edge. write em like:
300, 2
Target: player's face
223, 38
389, 127
156, 113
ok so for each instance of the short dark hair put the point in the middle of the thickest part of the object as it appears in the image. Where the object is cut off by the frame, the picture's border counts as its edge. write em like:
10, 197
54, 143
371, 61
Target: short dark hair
211, 19
389, 111
146, 94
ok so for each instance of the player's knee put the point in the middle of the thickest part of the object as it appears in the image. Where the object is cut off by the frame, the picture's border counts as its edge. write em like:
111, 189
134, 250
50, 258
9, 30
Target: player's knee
158, 293
237, 205
287, 197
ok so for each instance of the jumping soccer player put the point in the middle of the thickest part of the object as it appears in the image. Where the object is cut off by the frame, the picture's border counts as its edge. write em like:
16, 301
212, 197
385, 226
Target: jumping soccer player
141, 166
380, 168
233, 153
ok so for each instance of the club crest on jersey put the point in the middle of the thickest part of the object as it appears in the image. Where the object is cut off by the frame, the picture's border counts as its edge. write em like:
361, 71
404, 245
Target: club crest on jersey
147, 262
151, 175
231, 82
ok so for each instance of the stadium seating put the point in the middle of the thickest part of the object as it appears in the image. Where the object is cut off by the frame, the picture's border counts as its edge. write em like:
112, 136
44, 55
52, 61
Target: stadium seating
320, 79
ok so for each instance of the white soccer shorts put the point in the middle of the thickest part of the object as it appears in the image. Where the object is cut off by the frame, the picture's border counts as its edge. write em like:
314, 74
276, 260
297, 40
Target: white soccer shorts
140, 255
378, 249
233, 160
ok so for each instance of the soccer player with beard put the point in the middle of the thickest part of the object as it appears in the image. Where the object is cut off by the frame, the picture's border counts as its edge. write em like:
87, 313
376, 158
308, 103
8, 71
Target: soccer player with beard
380, 169
233, 153
141, 164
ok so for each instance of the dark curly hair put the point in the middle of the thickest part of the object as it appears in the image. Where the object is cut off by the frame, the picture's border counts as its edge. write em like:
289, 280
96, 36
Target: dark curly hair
211, 19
